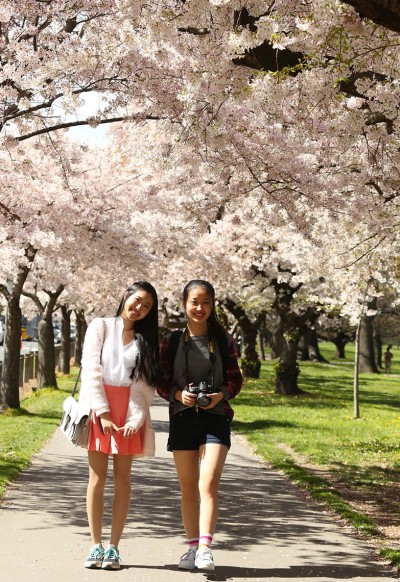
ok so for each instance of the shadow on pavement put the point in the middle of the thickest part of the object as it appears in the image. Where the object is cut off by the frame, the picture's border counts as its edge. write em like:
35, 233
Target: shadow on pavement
257, 506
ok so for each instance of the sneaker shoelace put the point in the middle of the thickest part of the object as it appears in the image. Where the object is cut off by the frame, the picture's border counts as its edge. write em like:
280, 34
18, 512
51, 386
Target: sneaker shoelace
112, 554
205, 553
97, 553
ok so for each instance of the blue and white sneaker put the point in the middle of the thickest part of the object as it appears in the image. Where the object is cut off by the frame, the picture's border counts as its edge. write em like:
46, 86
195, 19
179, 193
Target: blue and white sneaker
95, 557
111, 559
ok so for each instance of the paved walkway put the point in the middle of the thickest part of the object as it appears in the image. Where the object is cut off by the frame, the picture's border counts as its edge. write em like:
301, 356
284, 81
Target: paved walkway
268, 530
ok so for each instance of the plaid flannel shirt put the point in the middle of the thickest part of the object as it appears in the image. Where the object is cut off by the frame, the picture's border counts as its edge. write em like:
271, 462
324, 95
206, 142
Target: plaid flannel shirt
232, 383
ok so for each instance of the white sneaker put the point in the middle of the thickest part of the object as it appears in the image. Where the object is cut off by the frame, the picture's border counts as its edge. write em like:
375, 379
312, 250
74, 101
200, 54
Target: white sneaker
204, 559
95, 557
187, 560
111, 559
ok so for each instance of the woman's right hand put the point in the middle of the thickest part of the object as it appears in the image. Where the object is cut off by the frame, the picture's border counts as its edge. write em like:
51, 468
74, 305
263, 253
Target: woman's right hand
107, 424
185, 397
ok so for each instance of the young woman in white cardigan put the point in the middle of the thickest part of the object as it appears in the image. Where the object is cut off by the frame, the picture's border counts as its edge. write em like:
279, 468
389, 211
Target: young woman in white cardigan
119, 369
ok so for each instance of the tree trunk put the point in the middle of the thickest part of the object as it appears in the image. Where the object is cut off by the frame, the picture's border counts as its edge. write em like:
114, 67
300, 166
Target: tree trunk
367, 362
309, 348
239, 343
287, 370
65, 348
81, 327
292, 325
9, 387
46, 353
276, 342
340, 342
261, 342
378, 348
302, 351
251, 364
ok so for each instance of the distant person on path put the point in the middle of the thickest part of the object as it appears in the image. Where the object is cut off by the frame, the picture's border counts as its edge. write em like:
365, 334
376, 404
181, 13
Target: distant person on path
388, 360
119, 369
200, 414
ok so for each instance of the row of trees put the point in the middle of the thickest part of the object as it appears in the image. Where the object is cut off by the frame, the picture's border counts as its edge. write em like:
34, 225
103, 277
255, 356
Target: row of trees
253, 143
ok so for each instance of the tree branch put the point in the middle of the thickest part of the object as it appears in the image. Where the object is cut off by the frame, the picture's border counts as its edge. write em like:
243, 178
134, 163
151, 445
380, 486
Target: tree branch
88, 121
35, 299
386, 13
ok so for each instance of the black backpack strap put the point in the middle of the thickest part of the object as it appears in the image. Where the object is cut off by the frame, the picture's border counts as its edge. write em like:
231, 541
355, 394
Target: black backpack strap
173, 344
222, 340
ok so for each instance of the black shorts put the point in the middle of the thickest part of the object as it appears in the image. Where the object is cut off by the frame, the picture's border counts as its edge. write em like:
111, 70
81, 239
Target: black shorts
188, 430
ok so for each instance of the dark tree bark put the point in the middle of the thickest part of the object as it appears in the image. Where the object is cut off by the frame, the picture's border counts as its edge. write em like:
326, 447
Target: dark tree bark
378, 349
340, 342
262, 340
250, 362
383, 12
265, 57
9, 394
65, 348
276, 342
338, 331
287, 369
367, 361
292, 326
165, 316
9, 385
308, 349
46, 353
261, 344
81, 327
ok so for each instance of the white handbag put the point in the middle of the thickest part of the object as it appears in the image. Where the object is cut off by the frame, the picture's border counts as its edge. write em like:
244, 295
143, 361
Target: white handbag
75, 422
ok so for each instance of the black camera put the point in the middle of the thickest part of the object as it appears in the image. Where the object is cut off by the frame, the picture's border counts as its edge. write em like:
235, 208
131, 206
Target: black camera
202, 390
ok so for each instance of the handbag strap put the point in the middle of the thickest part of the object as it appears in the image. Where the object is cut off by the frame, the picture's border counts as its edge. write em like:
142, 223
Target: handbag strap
80, 369
76, 383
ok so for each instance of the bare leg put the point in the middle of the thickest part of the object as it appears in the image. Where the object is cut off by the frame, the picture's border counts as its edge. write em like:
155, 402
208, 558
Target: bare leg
212, 460
122, 496
98, 463
187, 467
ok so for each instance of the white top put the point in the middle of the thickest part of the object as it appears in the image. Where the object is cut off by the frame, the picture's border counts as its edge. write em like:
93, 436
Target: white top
118, 360
92, 393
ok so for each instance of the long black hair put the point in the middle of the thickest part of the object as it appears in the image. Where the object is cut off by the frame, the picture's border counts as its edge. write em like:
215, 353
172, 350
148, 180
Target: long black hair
213, 321
146, 333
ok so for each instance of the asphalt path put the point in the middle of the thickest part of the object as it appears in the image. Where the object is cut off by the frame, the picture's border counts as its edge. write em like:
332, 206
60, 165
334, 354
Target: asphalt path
268, 529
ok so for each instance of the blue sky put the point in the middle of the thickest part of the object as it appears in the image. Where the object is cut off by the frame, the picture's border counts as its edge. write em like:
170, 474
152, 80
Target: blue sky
84, 133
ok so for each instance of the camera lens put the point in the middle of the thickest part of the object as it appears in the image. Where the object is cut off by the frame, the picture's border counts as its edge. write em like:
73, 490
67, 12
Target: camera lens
203, 400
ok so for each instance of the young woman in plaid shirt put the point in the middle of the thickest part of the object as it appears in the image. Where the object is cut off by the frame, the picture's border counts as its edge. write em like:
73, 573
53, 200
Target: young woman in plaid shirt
200, 427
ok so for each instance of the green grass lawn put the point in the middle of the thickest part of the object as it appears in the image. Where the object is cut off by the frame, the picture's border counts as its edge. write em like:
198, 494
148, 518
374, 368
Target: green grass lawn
319, 428
23, 432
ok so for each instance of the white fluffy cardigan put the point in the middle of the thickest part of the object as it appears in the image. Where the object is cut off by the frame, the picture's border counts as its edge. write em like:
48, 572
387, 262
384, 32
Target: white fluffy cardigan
92, 391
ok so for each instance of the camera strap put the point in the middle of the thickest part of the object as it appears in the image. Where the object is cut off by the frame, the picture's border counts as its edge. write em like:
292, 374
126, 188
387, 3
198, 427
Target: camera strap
211, 352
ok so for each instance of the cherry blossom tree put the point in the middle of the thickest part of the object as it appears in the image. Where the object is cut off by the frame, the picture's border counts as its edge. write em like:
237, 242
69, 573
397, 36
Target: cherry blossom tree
254, 135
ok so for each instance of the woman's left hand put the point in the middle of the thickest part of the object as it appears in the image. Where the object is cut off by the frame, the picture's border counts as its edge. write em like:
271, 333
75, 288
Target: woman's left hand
215, 398
128, 431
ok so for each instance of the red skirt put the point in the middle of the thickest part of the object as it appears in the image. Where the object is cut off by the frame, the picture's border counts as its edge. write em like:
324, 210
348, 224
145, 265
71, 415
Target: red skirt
118, 400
